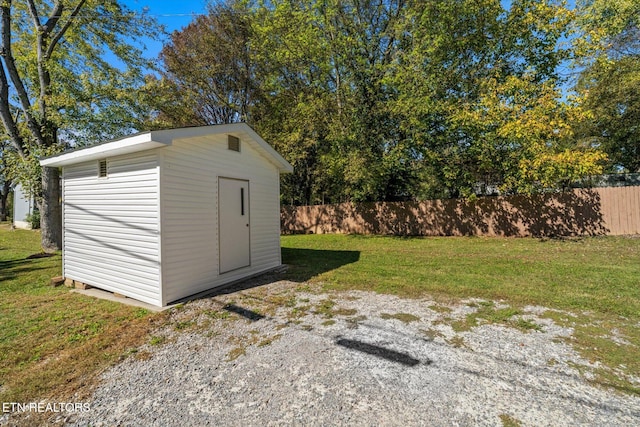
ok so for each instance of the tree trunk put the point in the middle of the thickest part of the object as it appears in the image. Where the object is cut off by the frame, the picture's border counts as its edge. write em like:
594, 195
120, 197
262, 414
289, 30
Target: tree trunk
4, 195
51, 210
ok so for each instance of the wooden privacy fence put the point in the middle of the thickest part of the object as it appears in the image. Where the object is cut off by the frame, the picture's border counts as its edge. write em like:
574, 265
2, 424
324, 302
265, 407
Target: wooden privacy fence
597, 211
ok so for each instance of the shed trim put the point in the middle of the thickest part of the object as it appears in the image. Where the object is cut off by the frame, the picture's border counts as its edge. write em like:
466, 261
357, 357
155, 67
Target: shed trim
118, 147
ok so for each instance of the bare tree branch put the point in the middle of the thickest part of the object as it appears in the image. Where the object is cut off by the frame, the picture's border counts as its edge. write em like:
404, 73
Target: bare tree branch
42, 74
56, 38
55, 16
9, 63
5, 113
34, 14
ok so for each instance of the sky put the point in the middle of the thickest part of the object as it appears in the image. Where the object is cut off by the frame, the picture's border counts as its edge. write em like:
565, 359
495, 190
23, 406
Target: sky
174, 15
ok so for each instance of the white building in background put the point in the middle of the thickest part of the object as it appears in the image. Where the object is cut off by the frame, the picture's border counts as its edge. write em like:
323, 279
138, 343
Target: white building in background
23, 207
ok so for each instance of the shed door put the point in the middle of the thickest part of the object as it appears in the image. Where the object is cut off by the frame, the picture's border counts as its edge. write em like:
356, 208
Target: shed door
233, 217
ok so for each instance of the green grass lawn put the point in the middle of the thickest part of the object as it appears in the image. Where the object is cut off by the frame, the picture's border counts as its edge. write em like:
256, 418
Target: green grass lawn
53, 342
598, 274
593, 284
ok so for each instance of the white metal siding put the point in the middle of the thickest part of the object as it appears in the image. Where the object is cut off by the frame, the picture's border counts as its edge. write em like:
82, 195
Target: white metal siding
189, 212
111, 234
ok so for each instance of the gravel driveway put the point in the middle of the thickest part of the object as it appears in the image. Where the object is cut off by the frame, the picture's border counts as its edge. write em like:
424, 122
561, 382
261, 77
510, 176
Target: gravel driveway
283, 353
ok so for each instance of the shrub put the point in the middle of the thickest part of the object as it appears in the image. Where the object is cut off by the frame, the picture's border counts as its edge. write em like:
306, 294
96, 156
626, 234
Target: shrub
34, 219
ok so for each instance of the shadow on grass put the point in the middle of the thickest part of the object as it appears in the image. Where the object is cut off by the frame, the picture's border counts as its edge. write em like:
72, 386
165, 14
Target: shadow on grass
303, 264
307, 263
11, 269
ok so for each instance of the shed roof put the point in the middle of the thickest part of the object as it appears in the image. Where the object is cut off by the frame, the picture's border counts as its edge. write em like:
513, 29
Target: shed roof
162, 138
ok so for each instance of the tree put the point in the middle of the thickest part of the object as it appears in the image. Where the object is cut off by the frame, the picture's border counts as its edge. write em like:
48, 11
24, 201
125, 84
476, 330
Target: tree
57, 87
324, 68
606, 30
524, 134
5, 182
464, 62
608, 49
208, 75
611, 93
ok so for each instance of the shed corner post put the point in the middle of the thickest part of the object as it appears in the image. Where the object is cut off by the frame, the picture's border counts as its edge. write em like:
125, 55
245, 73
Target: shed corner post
160, 167
62, 208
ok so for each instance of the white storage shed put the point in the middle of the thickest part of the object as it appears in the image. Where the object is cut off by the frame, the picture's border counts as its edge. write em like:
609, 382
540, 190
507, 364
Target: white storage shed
162, 215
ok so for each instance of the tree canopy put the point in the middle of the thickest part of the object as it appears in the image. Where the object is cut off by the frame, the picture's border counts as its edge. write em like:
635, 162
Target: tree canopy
368, 99
399, 99
609, 84
68, 77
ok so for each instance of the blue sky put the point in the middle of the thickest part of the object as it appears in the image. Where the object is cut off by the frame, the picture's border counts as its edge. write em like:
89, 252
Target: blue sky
174, 15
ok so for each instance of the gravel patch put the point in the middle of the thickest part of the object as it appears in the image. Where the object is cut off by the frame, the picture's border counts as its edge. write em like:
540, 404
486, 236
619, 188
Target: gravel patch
285, 354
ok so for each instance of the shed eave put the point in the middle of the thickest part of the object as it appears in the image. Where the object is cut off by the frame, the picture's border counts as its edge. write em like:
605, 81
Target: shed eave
129, 145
